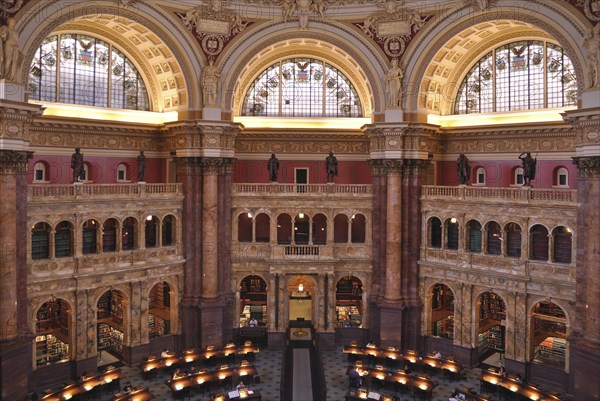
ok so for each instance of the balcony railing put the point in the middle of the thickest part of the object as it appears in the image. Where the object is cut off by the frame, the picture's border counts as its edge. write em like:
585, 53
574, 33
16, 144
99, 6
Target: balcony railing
302, 189
102, 191
516, 195
251, 251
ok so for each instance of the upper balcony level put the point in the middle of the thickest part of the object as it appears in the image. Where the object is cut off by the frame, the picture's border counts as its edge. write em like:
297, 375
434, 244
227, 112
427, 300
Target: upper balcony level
330, 190
91, 192
519, 195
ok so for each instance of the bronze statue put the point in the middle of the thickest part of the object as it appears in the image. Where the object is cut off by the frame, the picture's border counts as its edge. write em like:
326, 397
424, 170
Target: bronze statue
331, 167
273, 167
141, 159
77, 166
463, 169
528, 168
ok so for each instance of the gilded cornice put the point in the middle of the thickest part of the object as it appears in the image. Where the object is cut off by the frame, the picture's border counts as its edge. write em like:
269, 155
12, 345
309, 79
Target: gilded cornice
13, 162
586, 125
587, 167
285, 142
16, 118
192, 135
394, 137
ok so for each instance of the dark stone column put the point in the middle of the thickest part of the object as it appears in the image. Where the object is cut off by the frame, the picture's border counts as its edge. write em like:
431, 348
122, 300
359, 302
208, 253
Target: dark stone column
226, 295
15, 341
189, 173
584, 341
378, 247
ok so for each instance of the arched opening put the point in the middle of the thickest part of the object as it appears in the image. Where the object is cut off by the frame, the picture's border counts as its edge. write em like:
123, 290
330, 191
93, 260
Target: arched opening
301, 228
358, 228
563, 242
245, 227
491, 322
548, 334
168, 231
159, 313
122, 172
109, 236
319, 230
40, 241
89, 237
474, 236
263, 227
494, 238
63, 240
539, 242
301, 290
110, 318
284, 229
253, 301
452, 234
348, 302
128, 234
561, 177
151, 231
480, 176
435, 233
340, 228
518, 178
40, 172
52, 340
442, 311
512, 236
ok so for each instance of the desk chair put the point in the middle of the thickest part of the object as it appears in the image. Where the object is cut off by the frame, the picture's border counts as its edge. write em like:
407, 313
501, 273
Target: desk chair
353, 383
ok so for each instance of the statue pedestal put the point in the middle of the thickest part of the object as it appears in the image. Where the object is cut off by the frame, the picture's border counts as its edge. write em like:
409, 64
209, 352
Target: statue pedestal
11, 91
590, 98
211, 113
394, 115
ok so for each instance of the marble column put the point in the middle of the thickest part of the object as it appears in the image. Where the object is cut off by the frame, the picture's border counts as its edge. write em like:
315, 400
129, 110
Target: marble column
585, 338
189, 173
378, 244
225, 219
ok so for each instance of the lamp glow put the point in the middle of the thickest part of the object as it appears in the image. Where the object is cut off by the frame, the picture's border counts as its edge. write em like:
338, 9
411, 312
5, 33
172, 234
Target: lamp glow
200, 381
423, 386
534, 397
178, 386
514, 388
168, 363
300, 287
301, 215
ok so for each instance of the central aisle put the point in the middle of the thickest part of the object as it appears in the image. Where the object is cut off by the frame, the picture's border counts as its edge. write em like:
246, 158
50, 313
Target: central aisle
302, 383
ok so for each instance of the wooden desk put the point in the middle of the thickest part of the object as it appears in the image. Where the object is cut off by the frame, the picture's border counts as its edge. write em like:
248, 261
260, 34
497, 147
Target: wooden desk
138, 394
416, 382
211, 376
363, 394
86, 385
248, 395
512, 385
468, 396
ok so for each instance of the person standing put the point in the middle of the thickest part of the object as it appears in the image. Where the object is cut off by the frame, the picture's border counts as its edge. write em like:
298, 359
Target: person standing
529, 164
77, 166
331, 167
463, 169
141, 159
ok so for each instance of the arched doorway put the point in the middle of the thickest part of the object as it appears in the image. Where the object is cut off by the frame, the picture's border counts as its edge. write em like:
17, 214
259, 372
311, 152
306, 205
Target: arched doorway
301, 291
348, 302
52, 339
160, 310
548, 334
491, 325
110, 318
253, 301
442, 311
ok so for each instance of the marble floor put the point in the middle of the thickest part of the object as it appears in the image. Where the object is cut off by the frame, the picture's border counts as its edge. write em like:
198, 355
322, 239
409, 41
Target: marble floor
268, 364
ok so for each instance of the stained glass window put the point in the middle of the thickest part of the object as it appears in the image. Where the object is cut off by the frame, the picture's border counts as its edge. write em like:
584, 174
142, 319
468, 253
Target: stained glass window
523, 75
82, 69
302, 87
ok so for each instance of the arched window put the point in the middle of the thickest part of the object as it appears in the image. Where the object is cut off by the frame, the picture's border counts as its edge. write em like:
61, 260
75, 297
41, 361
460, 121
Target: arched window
524, 75
494, 242
518, 176
89, 71
128, 234
52, 340
40, 241
245, 227
539, 242
263, 227
40, 172
563, 242
319, 229
480, 176
512, 236
151, 231
302, 87
63, 240
561, 178
340, 228
549, 325
109, 235
121, 173
168, 231
301, 228
474, 234
358, 228
452, 233
89, 237
284, 229
435, 233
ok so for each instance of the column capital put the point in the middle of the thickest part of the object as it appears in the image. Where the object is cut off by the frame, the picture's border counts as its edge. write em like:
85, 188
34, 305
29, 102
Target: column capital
13, 161
587, 166
188, 165
216, 165
415, 167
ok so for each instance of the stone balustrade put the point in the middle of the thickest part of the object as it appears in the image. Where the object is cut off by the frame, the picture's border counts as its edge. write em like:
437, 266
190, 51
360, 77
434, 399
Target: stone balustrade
491, 194
252, 252
344, 190
51, 192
